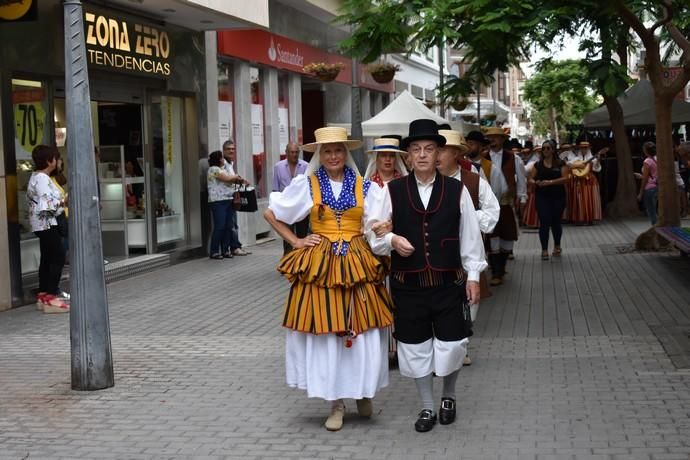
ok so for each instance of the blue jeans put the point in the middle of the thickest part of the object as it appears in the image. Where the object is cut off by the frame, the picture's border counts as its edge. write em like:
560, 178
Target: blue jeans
222, 226
650, 199
234, 235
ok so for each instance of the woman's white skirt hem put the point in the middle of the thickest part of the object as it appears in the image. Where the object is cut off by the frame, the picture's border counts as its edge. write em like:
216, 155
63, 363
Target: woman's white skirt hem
326, 369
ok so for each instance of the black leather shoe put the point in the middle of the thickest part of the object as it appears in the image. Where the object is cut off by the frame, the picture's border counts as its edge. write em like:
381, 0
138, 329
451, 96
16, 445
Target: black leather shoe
446, 415
425, 422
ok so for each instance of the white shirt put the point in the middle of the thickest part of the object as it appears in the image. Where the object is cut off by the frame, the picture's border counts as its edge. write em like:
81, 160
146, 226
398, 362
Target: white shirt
520, 176
295, 202
471, 243
489, 209
573, 157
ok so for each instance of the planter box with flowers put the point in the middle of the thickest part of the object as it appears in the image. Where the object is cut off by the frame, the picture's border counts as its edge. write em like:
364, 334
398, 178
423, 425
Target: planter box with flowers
324, 71
383, 72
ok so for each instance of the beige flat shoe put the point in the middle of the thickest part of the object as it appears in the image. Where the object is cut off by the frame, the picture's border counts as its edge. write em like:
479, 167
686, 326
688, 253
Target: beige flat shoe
334, 422
467, 361
364, 407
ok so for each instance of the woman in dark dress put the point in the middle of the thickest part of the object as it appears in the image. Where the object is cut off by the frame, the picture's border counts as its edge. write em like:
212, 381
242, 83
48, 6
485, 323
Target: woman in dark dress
549, 176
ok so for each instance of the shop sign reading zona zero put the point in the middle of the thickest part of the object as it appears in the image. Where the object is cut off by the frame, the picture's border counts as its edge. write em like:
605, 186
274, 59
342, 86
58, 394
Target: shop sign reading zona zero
117, 44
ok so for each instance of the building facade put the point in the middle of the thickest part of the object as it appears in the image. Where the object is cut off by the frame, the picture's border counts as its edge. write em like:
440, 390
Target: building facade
148, 86
264, 98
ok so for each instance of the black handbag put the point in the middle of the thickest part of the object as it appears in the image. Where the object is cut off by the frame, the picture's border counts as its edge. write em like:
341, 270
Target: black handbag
244, 200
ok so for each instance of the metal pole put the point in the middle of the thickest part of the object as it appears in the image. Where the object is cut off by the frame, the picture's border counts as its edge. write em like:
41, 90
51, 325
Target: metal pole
440, 77
92, 362
479, 104
356, 117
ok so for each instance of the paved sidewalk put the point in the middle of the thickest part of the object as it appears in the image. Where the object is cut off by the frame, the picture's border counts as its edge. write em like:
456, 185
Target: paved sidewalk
579, 358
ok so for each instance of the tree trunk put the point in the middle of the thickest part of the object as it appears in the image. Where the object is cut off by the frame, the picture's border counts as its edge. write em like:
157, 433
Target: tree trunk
553, 124
669, 207
624, 203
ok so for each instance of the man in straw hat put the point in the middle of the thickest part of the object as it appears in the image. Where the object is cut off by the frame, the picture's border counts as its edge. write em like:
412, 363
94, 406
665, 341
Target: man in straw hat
508, 186
435, 236
338, 309
483, 198
385, 161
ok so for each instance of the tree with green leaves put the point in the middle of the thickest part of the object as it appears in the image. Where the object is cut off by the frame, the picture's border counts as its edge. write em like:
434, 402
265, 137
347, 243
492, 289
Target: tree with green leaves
670, 28
498, 34
560, 92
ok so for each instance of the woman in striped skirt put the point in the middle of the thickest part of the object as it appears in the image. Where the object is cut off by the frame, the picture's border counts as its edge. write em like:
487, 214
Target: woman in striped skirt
338, 309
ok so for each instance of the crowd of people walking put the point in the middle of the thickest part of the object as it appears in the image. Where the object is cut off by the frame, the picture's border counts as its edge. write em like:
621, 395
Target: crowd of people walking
393, 263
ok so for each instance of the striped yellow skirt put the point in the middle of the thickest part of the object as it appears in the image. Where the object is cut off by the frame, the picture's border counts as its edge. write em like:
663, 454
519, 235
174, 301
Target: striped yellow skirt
335, 293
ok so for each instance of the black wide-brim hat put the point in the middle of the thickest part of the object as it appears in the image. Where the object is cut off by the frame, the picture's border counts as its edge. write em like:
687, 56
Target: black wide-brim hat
476, 136
423, 130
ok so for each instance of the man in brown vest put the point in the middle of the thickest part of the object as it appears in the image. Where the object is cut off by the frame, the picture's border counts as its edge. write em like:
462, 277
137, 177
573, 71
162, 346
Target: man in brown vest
507, 186
435, 236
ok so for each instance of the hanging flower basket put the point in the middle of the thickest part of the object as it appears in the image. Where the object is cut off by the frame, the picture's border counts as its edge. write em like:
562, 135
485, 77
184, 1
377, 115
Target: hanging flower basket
459, 104
383, 72
324, 71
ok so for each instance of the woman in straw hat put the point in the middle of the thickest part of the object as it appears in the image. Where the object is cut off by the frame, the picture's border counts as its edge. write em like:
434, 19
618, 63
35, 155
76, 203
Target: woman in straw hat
338, 307
584, 199
385, 161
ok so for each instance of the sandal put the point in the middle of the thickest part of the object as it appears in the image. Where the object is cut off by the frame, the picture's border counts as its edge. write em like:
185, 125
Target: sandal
216, 256
54, 304
557, 251
545, 255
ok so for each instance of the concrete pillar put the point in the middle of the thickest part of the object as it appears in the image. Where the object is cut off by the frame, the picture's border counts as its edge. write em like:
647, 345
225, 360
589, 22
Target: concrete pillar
378, 103
212, 125
295, 107
269, 85
243, 142
271, 122
5, 278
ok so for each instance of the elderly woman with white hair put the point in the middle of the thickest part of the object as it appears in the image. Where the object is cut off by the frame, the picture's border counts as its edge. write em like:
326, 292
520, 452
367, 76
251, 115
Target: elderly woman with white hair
385, 161
338, 309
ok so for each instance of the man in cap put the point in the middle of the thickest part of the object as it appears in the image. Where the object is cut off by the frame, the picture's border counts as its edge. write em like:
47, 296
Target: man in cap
435, 236
508, 186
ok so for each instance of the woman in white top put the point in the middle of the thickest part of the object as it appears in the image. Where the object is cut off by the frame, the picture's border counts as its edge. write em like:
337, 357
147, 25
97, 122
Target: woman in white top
220, 195
46, 203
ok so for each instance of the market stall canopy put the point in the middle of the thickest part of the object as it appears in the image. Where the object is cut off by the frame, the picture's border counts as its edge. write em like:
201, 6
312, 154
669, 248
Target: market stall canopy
638, 109
486, 106
396, 118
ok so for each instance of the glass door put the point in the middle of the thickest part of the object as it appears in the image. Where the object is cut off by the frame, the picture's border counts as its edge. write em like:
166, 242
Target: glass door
166, 169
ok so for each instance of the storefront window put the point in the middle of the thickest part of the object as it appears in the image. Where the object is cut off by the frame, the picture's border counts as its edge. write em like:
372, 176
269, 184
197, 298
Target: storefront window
31, 128
167, 124
283, 113
258, 146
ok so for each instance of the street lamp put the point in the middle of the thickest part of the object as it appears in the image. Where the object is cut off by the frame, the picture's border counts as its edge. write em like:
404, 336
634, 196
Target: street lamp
92, 361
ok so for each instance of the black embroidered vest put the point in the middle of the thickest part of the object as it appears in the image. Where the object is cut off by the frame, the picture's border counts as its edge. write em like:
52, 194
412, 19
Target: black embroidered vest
434, 231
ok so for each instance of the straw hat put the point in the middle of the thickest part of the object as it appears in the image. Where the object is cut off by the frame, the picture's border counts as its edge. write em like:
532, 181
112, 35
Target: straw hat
386, 144
583, 144
565, 147
454, 139
331, 135
495, 131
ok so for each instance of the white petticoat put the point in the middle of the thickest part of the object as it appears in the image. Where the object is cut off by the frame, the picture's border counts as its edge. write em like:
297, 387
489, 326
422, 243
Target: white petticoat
325, 368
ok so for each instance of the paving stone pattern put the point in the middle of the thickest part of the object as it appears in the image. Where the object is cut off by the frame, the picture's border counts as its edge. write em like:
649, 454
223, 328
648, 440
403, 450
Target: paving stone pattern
577, 358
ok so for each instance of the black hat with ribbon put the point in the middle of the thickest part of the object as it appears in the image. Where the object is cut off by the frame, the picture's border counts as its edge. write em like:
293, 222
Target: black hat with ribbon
476, 136
423, 129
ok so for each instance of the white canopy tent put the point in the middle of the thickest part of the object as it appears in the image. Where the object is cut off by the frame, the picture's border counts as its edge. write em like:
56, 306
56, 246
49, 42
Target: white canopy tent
396, 118
638, 109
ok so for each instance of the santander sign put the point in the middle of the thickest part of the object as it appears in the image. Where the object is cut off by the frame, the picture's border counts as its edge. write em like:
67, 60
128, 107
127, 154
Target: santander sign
276, 53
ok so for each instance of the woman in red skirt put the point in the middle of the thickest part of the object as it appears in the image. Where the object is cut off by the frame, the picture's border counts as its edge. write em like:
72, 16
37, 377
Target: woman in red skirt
584, 198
